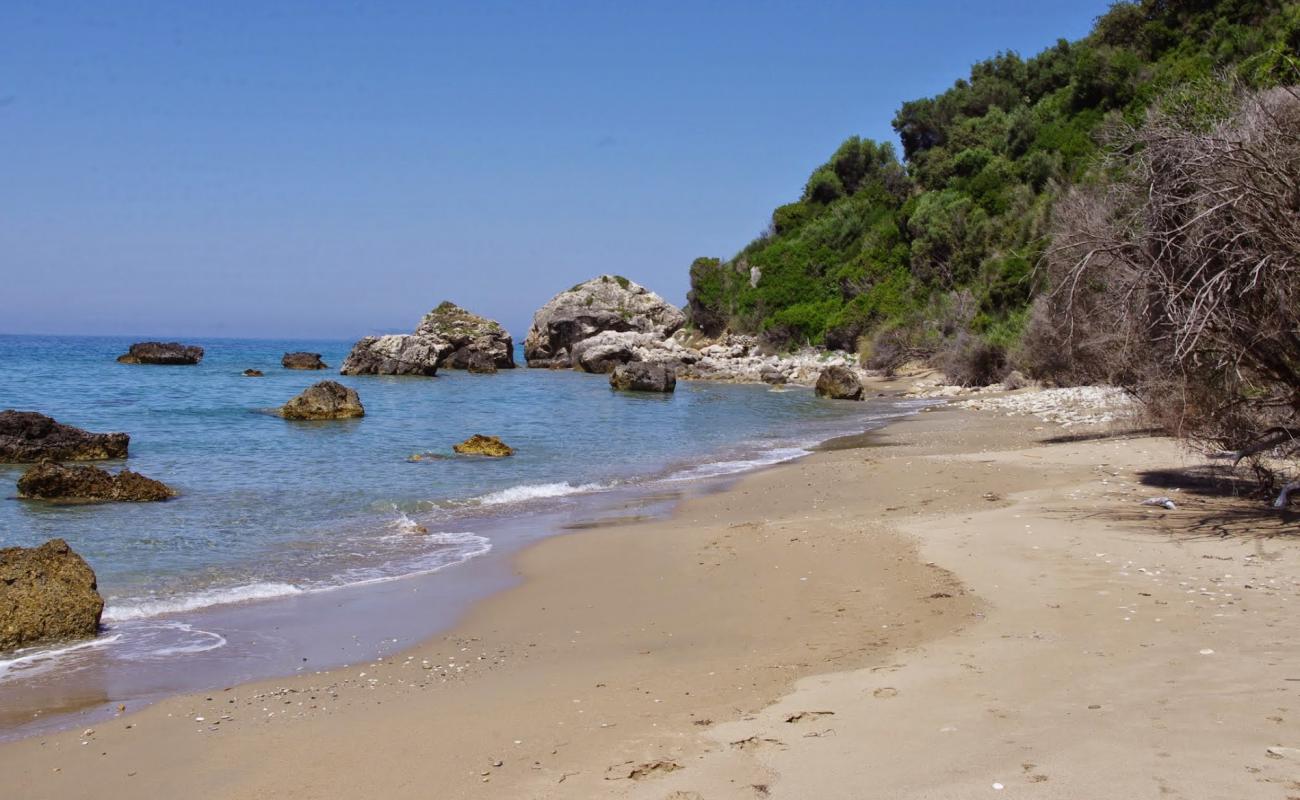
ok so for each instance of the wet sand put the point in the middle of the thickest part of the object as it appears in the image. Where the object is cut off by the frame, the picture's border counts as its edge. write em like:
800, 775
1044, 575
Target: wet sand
960, 607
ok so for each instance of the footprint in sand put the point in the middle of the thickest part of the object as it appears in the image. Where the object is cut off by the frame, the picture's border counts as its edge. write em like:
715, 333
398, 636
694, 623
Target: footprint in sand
885, 692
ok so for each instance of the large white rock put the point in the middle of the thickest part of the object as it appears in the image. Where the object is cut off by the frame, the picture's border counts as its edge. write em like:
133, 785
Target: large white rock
605, 303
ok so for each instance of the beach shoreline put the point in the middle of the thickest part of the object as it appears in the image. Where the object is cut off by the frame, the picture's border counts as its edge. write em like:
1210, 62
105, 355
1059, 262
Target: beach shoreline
693, 654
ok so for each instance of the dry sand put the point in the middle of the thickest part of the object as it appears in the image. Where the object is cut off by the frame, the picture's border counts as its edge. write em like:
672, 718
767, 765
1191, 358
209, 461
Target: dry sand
963, 605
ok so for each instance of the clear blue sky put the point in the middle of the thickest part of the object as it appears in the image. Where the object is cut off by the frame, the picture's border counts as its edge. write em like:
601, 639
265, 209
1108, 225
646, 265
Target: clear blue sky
324, 169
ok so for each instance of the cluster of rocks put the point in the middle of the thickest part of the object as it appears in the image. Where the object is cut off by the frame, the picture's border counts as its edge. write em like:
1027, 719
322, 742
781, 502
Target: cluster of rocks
610, 321
166, 353
448, 337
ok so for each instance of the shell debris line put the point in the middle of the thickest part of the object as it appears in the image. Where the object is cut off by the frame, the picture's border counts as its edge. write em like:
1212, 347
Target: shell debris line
1079, 405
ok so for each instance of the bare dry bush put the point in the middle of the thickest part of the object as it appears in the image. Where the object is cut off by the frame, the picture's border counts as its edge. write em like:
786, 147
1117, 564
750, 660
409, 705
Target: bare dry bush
1180, 280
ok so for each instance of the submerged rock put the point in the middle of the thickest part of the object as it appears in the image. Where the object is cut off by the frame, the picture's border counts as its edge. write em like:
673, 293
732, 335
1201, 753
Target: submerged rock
396, 354
478, 344
324, 400
302, 360
252, 373
773, 376
604, 303
640, 376
51, 481
839, 383
162, 353
47, 593
479, 445
28, 437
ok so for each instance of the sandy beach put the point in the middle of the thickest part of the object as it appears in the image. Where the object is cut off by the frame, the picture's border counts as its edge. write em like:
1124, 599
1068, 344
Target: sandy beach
963, 604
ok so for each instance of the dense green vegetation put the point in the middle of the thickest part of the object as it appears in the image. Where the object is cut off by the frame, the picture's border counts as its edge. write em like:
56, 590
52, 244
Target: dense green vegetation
939, 250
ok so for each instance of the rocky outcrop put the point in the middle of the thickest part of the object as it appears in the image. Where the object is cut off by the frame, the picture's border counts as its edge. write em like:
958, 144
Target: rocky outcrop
396, 354
478, 344
302, 360
51, 481
604, 303
448, 337
479, 445
324, 400
27, 437
47, 594
640, 376
840, 383
252, 373
162, 353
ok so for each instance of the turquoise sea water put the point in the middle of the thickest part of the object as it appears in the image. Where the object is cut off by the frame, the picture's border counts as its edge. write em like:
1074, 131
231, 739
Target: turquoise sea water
270, 508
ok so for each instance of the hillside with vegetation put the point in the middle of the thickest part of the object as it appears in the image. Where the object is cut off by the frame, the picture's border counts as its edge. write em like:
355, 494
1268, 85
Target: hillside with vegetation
939, 255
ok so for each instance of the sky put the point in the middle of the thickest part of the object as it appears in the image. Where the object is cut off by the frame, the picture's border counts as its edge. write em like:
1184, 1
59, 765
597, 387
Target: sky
331, 170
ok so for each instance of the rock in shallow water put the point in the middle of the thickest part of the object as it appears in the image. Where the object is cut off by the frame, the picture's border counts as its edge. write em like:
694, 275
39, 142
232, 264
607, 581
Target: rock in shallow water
302, 360
604, 303
395, 354
324, 400
448, 336
47, 593
640, 376
27, 437
478, 344
839, 383
172, 353
50, 481
479, 445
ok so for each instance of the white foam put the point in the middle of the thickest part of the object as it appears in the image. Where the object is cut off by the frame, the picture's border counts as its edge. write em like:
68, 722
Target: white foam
536, 491
213, 597
717, 468
204, 641
28, 658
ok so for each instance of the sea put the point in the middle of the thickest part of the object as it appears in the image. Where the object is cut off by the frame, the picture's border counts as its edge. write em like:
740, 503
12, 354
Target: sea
280, 524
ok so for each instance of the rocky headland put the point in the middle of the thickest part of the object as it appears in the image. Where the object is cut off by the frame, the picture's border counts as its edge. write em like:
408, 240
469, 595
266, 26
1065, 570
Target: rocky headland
609, 321
27, 437
165, 353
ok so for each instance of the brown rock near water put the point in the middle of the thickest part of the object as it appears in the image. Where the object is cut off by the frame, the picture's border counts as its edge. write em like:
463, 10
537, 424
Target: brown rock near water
604, 303
166, 353
839, 383
47, 593
642, 376
324, 400
479, 445
302, 360
252, 373
51, 481
27, 437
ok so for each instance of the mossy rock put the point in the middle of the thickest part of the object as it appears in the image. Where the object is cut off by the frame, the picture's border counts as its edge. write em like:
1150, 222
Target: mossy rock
479, 445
